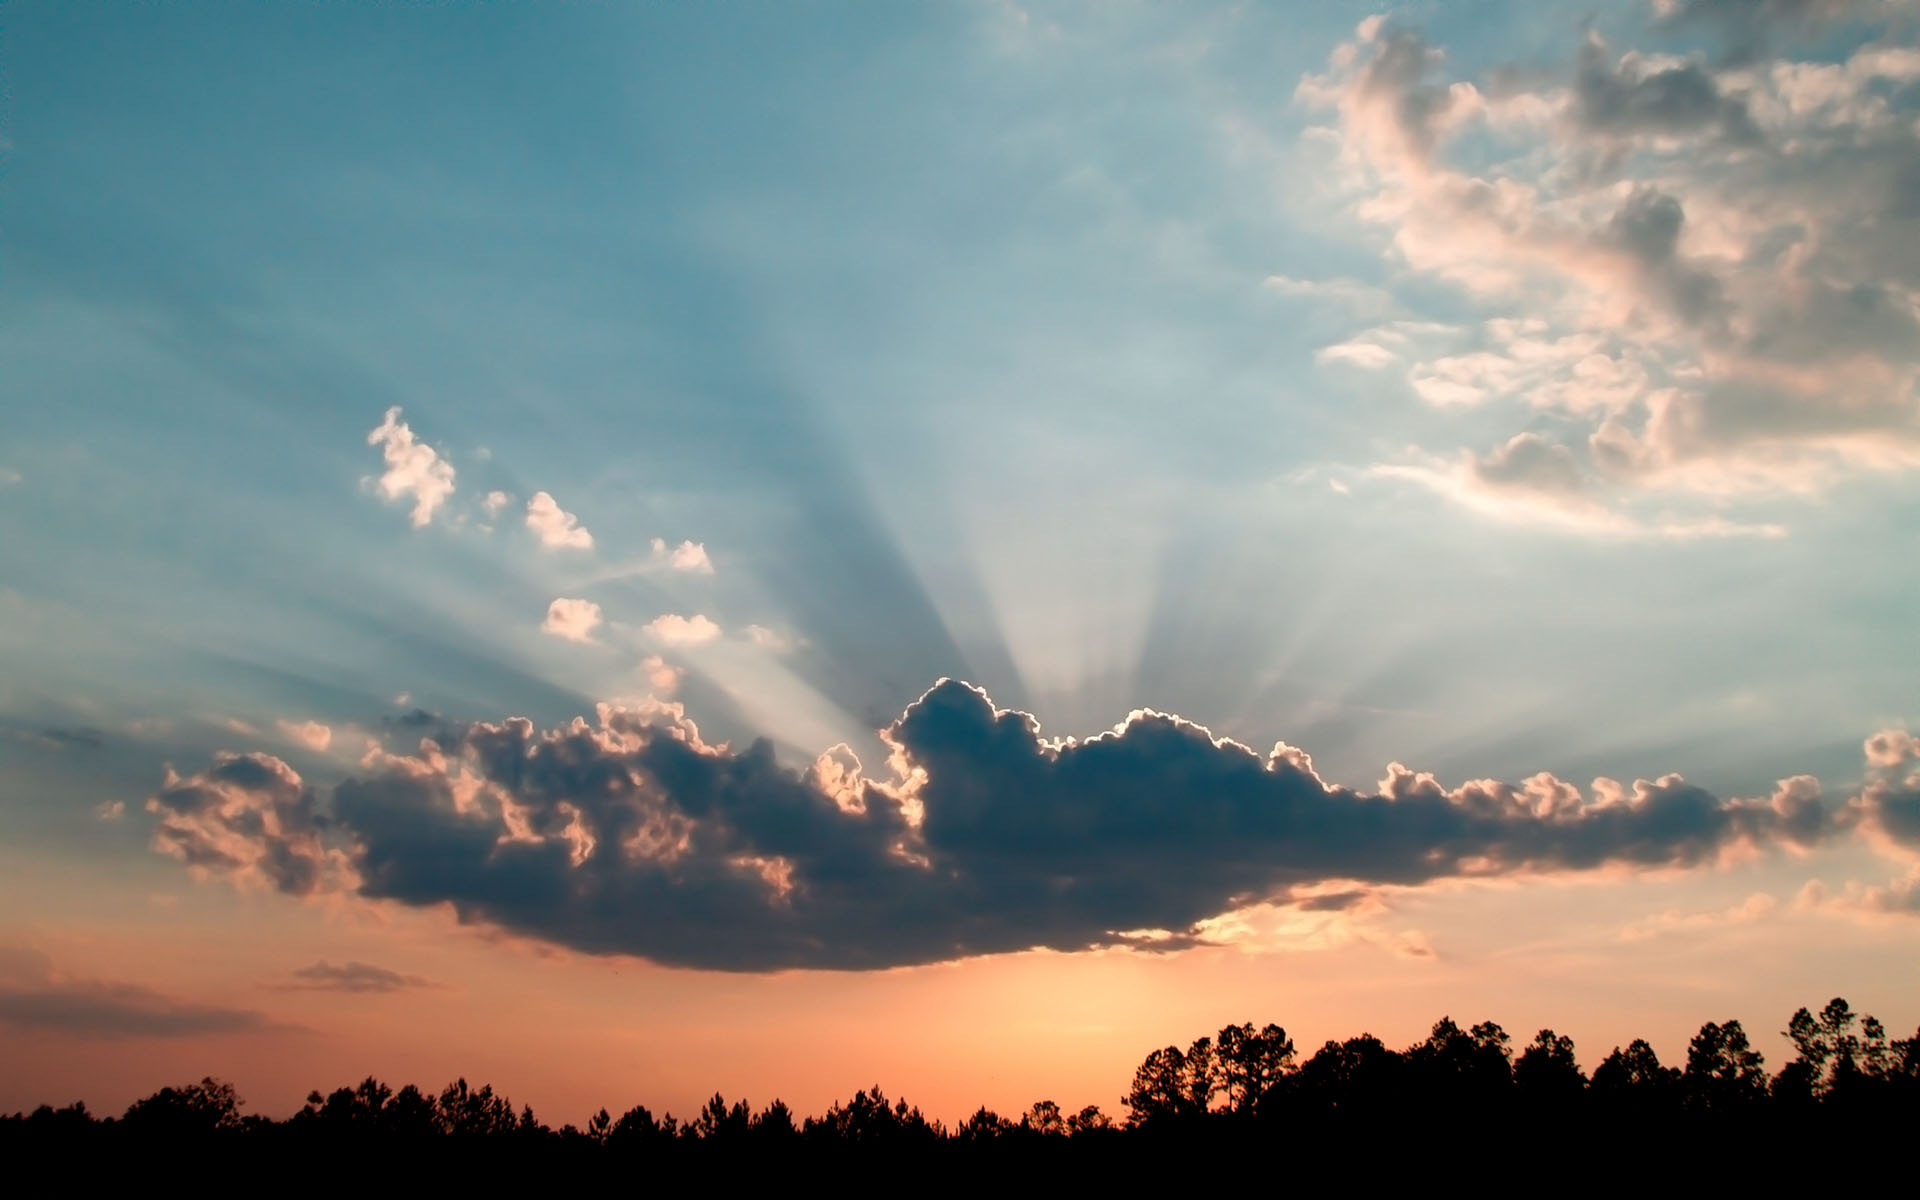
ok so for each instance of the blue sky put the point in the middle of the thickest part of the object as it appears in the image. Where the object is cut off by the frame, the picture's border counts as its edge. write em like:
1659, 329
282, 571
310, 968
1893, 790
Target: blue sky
1496, 389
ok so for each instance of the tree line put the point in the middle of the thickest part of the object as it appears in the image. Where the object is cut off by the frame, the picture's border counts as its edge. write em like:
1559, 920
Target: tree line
1242, 1084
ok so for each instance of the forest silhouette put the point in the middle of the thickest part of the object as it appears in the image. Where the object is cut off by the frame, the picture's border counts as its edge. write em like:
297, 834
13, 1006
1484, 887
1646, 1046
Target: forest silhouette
1353, 1106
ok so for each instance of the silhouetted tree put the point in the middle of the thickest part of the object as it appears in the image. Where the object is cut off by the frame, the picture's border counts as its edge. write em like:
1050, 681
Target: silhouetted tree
1723, 1072
1159, 1088
197, 1108
1252, 1064
1044, 1118
1547, 1072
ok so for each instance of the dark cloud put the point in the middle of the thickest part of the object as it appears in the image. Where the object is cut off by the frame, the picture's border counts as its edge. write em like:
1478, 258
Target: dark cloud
94, 1009
1531, 463
324, 976
84, 737
632, 836
1749, 25
1626, 99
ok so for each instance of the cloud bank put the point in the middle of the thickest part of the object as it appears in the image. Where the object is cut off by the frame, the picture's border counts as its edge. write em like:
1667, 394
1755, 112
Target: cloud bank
631, 835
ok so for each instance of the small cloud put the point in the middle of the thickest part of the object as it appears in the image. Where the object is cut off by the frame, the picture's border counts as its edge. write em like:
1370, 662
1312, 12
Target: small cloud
323, 976
236, 725
37, 1000
557, 528
84, 737
495, 501
574, 620
662, 676
768, 639
112, 810
10, 477
676, 630
311, 734
1370, 356
687, 556
413, 468
402, 699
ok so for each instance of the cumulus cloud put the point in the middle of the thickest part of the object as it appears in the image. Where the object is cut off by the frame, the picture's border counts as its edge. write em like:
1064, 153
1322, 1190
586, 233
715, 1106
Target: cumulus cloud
687, 556
37, 1000
632, 835
1888, 806
572, 619
676, 630
1668, 264
413, 468
311, 734
324, 976
556, 528
662, 676
249, 817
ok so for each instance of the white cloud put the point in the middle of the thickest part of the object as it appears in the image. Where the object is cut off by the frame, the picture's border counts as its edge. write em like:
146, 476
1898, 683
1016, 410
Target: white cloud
572, 619
413, 468
767, 639
687, 556
662, 676
311, 734
676, 630
557, 528
495, 501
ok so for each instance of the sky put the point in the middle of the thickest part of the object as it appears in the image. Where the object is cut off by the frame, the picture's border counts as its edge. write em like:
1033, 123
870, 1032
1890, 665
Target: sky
631, 550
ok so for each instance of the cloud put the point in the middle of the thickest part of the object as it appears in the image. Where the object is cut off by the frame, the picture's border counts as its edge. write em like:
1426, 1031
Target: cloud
37, 1001
323, 976
1888, 807
767, 639
687, 556
631, 835
413, 468
1755, 908
1666, 262
662, 676
80, 737
249, 817
311, 734
556, 528
10, 477
495, 501
572, 619
676, 630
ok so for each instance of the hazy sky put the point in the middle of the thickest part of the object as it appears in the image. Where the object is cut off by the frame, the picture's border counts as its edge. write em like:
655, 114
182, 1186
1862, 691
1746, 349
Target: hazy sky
489, 496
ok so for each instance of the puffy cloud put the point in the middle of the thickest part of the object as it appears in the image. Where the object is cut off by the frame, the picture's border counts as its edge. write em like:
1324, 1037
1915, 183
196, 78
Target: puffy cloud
324, 976
634, 836
556, 528
495, 501
687, 556
311, 734
413, 468
1888, 807
572, 619
1723, 318
676, 630
662, 676
250, 817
